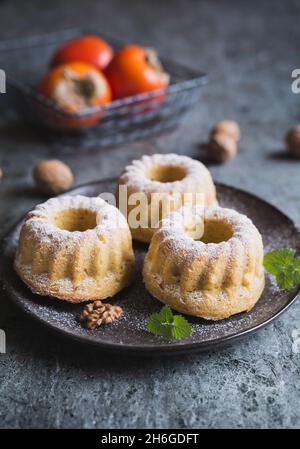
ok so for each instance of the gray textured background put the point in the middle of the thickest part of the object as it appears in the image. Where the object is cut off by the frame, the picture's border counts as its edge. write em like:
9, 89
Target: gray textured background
249, 51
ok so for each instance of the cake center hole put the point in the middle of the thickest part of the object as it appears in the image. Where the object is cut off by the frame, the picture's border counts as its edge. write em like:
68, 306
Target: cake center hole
75, 220
166, 173
216, 232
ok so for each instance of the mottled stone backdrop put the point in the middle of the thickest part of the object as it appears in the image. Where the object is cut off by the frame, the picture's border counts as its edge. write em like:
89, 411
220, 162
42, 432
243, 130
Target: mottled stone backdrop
249, 50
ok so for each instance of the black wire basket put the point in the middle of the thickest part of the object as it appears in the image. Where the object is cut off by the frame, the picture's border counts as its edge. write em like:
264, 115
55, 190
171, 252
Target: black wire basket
26, 61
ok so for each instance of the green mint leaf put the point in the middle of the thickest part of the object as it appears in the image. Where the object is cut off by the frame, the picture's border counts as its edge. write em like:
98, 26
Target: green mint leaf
279, 261
285, 279
166, 331
166, 315
154, 324
158, 327
181, 327
297, 270
167, 325
282, 264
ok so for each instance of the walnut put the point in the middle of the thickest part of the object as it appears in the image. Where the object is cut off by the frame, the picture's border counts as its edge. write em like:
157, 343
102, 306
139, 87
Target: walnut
52, 176
229, 127
97, 313
221, 147
293, 141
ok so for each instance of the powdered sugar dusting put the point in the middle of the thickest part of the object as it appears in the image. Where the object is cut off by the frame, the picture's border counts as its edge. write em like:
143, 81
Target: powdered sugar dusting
54, 247
129, 332
197, 175
108, 217
174, 226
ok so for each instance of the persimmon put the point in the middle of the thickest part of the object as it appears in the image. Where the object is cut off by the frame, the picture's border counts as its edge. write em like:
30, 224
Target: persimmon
90, 49
75, 87
135, 70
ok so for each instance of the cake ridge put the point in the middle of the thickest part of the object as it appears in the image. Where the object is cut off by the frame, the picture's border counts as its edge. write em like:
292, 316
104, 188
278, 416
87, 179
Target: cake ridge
72, 264
217, 278
172, 175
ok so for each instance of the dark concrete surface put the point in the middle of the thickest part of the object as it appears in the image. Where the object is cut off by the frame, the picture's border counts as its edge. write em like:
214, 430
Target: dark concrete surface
249, 50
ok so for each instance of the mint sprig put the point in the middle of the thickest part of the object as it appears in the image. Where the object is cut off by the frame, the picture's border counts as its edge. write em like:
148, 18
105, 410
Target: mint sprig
167, 325
284, 266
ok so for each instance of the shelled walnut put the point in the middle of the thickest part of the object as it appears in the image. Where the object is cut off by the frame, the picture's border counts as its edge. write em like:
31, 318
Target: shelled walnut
96, 313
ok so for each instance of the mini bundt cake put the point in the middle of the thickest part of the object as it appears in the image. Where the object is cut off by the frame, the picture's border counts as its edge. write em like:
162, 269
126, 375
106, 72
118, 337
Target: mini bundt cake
213, 278
75, 248
168, 179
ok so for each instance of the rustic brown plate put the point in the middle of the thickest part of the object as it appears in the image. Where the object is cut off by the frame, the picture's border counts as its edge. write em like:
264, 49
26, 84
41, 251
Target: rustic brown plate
129, 333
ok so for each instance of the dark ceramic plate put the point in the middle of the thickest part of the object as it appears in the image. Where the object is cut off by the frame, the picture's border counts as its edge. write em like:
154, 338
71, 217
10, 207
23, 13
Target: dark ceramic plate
129, 334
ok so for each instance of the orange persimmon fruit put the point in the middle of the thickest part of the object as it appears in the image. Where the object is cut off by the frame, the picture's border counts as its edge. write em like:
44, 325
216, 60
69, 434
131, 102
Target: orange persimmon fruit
90, 49
135, 70
75, 87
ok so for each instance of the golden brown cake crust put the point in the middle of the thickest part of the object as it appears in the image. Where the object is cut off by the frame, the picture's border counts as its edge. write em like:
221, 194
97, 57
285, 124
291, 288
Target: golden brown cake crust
75, 248
169, 174
214, 278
